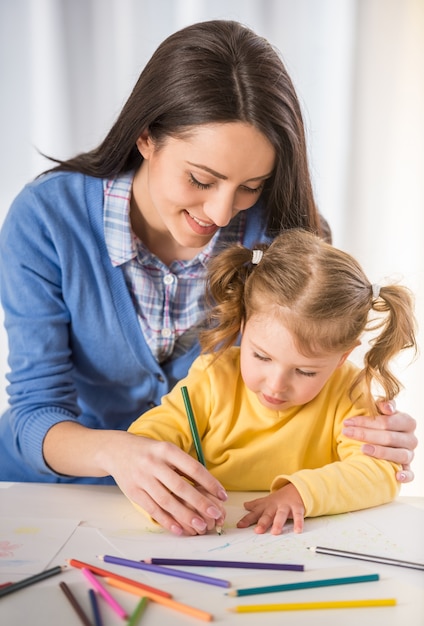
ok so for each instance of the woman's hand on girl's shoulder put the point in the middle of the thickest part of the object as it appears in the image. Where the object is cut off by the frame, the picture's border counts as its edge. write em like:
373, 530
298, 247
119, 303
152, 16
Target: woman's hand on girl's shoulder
389, 436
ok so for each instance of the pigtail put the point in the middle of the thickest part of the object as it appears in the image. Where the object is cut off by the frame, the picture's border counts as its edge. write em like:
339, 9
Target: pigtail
396, 322
227, 275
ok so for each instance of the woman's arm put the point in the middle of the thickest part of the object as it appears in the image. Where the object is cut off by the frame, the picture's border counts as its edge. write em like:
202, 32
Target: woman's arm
389, 436
148, 472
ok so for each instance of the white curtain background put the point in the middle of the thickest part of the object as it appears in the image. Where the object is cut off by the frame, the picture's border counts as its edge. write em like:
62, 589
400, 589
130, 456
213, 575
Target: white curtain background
67, 66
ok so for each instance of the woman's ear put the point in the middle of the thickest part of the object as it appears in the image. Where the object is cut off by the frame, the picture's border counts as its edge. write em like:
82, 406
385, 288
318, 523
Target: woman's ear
145, 145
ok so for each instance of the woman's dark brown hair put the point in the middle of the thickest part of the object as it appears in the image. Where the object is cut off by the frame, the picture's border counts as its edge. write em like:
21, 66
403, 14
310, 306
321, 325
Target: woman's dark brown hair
215, 72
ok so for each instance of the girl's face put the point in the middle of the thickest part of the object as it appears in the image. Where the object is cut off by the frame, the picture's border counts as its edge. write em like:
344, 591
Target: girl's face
274, 369
188, 188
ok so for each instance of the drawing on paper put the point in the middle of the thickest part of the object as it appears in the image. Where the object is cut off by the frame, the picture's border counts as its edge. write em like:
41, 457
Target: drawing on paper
7, 549
27, 548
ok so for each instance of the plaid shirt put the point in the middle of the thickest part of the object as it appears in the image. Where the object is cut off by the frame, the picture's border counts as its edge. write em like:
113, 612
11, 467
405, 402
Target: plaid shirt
169, 300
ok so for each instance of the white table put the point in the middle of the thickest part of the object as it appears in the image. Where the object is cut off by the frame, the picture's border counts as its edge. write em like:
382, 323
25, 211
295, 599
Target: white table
98, 520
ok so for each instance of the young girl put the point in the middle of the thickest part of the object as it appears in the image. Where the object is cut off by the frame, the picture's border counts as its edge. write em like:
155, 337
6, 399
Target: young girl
270, 413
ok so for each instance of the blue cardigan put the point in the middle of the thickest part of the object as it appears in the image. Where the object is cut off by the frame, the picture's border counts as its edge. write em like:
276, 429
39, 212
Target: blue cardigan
76, 350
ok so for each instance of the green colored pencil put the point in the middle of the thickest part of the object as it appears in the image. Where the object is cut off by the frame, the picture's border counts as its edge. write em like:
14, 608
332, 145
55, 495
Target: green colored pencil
195, 434
135, 616
306, 584
193, 427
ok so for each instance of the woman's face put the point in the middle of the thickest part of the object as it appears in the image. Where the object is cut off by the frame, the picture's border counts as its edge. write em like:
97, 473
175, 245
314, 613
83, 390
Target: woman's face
188, 188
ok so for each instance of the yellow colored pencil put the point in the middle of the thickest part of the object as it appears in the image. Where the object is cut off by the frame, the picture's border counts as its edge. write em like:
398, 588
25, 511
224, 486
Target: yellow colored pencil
305, 606
172, 604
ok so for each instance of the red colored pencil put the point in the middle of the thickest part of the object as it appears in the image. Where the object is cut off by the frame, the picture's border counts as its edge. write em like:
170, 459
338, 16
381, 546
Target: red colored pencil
106, 573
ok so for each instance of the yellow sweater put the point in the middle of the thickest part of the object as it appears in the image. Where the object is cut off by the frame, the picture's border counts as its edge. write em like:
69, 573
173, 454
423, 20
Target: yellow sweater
249, 447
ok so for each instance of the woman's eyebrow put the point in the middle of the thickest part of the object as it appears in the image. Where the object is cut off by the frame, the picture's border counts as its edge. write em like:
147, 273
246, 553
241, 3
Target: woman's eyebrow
222, 176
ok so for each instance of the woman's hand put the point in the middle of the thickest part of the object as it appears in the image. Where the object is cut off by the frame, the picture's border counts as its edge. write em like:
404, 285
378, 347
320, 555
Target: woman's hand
150, 473
153, 475
273, 511
389, 436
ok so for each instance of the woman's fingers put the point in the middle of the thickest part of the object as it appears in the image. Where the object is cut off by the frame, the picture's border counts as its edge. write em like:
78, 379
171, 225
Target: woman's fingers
163, 491
390, 437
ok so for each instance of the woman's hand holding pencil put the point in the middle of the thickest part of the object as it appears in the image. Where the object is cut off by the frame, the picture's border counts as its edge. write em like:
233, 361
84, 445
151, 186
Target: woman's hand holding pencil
196, 440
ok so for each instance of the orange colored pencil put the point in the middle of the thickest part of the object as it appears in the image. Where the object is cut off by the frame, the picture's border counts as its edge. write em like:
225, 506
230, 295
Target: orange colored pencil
107, 574
172, 604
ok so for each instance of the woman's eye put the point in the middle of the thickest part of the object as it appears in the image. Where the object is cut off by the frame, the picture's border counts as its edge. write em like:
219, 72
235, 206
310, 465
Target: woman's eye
196, 183
255, 190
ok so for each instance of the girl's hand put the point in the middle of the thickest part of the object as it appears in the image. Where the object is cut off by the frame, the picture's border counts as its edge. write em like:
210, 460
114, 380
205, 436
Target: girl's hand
153, 475
273, 510
389, 436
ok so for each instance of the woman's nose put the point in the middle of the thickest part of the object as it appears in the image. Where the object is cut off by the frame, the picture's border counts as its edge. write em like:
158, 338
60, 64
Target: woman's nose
220, 209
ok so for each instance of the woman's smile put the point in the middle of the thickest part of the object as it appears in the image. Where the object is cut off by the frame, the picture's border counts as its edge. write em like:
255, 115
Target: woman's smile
200, 227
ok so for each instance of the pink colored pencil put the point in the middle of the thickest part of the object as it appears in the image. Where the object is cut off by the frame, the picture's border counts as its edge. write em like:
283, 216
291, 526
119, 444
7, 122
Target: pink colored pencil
104, 593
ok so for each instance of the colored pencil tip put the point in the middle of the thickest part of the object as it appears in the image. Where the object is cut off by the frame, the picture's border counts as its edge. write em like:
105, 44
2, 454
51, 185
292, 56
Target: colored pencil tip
219, 530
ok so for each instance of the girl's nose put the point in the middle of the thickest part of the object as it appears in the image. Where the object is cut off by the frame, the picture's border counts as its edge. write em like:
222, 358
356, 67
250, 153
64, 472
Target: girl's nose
278, 383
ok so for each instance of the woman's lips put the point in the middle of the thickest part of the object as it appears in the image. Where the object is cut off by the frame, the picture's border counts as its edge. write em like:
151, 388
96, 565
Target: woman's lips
199, 226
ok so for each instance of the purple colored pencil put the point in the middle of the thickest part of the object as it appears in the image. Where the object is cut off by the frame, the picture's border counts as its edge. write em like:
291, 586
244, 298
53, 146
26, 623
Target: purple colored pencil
236, 564
158, 569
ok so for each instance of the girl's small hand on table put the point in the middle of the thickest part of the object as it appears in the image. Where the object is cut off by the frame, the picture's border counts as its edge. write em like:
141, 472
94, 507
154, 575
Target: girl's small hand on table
273, 511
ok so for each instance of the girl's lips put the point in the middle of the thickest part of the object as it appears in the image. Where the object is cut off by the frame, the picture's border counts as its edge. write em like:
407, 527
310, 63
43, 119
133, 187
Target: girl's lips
200, 227
271, 400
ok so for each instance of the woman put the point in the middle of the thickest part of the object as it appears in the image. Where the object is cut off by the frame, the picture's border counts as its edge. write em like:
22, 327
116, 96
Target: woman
109, 252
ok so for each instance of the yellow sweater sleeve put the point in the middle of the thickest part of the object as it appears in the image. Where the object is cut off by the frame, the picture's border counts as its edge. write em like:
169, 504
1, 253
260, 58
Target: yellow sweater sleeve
354, 481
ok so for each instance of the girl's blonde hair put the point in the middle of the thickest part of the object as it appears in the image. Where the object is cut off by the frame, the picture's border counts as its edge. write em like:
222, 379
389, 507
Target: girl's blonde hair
321, 295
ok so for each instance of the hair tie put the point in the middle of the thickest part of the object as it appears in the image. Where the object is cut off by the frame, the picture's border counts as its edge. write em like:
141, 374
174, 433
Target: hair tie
257, 256
375, 291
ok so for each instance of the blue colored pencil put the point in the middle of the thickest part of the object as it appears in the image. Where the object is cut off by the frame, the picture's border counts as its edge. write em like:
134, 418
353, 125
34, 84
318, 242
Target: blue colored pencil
158, 569
236, 564
95, 608
306, 584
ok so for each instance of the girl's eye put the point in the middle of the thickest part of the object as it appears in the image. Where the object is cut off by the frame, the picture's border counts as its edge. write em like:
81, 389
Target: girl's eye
302, 373
196, 183
260, 357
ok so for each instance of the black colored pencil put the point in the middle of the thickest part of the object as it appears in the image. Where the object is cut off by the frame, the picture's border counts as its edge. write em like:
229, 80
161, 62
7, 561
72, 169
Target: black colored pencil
367, 557
31, 580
